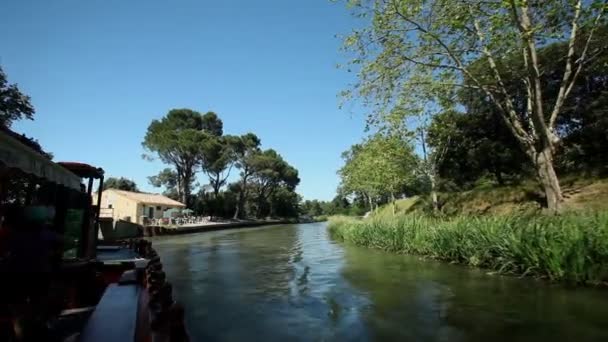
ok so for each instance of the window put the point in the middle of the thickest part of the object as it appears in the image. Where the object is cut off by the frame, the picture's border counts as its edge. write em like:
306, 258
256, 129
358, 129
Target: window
110, 206
158, 207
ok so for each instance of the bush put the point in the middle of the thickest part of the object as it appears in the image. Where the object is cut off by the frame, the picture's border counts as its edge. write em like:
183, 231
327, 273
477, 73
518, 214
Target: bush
572, 247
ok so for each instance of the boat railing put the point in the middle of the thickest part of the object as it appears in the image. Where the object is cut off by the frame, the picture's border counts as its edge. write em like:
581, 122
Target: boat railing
106, 212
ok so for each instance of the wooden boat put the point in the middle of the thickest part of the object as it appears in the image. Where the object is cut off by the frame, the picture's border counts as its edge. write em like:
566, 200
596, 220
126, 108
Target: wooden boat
80, 290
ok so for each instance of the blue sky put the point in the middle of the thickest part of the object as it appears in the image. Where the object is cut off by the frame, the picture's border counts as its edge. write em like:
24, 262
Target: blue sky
99, 71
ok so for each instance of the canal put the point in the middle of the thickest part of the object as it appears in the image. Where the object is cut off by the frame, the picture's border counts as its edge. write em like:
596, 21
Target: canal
294, 283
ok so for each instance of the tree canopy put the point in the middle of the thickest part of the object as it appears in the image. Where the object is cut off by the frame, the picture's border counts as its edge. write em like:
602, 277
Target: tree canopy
14, 105
120, 184
415, 55
184, 139
269, 173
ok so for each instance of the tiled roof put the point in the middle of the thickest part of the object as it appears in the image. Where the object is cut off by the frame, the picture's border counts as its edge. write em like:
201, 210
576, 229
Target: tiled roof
147, 198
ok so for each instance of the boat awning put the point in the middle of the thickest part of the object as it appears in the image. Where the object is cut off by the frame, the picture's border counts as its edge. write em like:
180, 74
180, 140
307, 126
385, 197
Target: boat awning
14, 154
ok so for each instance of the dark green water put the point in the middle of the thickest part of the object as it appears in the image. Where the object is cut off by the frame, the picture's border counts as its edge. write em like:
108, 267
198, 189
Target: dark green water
294, 283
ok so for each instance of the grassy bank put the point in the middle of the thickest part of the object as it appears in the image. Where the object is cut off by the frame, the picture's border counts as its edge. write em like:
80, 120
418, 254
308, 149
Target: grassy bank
571, 248
516, 199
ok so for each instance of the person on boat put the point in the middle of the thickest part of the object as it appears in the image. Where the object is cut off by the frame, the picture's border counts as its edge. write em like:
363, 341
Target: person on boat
32, 246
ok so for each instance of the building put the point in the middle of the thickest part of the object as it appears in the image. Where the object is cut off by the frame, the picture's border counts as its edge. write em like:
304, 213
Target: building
135, 206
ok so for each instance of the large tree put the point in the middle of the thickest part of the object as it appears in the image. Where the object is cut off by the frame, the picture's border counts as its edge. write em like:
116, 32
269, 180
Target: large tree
14, 105
176, 139
246, 149
217, 159
120, 184
271, 171
417, 51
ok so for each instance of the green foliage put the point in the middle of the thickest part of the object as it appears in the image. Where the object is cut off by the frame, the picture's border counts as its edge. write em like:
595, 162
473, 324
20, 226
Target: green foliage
166, 179
120, 184
284, 202
480, 145
217, 159
176, 139
340, 205
571, 248
212, 124
14, 105
381, 165
270, 172
414, 56
581, 125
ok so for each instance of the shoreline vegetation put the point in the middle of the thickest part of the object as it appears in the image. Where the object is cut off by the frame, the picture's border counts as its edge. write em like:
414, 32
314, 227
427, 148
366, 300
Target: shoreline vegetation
570, 248
499, 229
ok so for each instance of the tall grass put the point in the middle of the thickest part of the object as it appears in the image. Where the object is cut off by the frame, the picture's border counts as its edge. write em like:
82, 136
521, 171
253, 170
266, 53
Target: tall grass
571, 247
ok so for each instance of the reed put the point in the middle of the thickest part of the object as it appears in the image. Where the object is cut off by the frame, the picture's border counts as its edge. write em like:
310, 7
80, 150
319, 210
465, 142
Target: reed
571, 247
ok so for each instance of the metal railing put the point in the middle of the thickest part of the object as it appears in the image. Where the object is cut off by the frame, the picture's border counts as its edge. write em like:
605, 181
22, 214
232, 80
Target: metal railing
106, 212
177, 221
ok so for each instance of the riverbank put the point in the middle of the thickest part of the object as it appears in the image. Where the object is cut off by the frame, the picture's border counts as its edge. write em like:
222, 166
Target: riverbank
207, 227
571, 248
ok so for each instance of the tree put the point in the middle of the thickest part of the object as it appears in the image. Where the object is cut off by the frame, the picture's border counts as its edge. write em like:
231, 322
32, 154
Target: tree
270, 171
212, 124
353, 175
580, 126
313, 208
217, 159
421, 51
381, 166
120, 184
479, 145
176, 139
246, 149
166, 178
284, 202
14, 105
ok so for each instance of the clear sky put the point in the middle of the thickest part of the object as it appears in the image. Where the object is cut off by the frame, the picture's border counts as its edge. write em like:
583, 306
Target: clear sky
98, 71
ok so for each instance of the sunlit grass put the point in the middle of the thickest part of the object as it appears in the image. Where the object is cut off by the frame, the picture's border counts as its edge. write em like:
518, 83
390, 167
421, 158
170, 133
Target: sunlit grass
571, 247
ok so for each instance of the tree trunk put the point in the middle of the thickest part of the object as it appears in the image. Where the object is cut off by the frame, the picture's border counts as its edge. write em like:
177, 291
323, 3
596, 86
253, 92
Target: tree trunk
240, 206
185, 193
371, 204
394, 204
547, 177
434, 199
180, 190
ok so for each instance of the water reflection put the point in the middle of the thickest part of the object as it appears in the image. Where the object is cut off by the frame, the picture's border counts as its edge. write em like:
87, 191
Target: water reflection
294, 283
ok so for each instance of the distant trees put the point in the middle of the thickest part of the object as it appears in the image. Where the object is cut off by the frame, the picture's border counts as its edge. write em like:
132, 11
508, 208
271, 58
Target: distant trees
415, 56
340, 205
381, 165
120, 184
191, 142
14, 105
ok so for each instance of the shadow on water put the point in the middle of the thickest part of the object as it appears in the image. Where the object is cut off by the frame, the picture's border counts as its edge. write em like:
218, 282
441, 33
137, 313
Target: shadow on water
294, 283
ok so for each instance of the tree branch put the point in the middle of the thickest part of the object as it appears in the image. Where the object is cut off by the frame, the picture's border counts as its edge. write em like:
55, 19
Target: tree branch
564, 90
508, 114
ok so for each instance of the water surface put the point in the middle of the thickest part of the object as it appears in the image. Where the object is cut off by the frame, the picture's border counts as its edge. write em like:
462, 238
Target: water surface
294, 283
